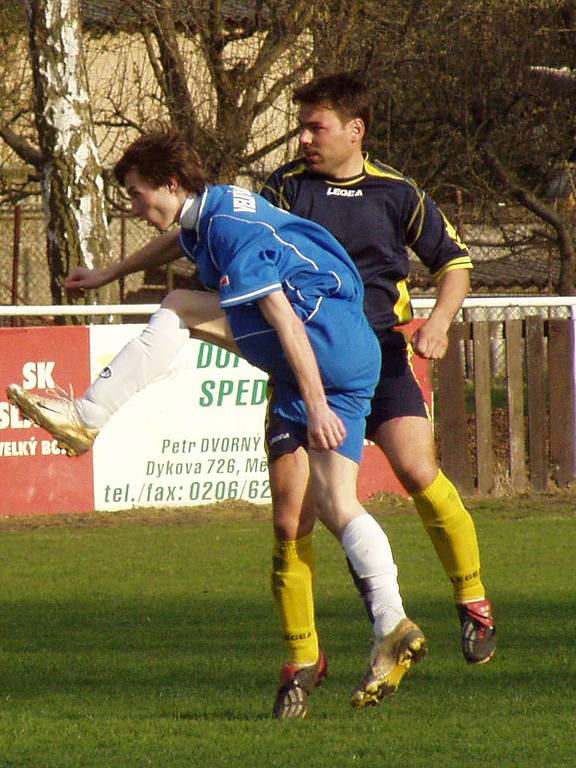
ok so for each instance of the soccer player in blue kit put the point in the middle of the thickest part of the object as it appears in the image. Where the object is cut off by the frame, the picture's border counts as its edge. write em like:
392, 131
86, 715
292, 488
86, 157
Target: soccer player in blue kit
292, 300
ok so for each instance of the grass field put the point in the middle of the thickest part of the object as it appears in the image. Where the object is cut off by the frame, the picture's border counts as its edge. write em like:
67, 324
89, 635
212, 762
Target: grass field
133, 640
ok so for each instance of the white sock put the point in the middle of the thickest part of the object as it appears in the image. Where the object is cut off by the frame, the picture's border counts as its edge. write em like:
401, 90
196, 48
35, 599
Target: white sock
368, 550
136, 365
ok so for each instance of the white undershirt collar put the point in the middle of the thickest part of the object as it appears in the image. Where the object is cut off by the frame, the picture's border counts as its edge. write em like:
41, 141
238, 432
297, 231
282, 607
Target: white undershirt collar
190, 211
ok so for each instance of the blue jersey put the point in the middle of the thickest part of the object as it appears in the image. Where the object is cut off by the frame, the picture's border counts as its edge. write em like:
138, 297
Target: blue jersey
246, 248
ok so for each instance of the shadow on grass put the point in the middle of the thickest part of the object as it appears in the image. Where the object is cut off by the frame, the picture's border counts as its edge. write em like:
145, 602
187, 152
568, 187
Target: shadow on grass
200, 650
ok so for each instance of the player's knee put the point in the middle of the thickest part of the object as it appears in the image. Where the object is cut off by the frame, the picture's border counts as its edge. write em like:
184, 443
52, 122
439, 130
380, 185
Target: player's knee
291, 519
416, 476
178, 301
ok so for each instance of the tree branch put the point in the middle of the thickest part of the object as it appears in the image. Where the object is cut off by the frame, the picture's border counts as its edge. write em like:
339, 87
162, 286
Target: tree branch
543, 211
22, 147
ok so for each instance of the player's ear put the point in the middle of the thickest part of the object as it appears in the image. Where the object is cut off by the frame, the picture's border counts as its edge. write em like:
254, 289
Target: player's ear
358, 129
173, 184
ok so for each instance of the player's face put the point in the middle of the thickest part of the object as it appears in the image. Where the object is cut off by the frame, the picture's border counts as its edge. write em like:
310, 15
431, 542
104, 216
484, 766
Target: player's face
158, 206
331, 146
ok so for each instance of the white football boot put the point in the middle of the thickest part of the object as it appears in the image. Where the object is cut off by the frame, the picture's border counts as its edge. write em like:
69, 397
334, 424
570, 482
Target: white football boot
56, 413
391, 657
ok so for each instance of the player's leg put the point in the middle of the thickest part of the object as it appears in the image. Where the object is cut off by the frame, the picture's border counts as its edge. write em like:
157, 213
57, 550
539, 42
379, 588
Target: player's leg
150, 354
200, 312
293, 569
409, 446
400, 425
398, 641
75, 423
293, 564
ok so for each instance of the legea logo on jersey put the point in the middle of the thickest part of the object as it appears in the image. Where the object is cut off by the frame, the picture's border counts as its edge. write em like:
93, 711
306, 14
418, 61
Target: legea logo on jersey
243, 200
339, 192
224, 281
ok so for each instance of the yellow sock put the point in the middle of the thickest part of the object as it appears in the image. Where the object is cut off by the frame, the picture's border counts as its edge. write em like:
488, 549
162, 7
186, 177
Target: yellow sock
453, 534
293, 572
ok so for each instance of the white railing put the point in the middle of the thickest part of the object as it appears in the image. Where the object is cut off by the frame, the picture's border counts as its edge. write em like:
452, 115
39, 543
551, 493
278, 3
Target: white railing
481, 302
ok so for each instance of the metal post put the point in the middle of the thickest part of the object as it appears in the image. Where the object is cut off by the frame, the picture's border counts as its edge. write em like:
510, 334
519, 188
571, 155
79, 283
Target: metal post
122, 255
16, 257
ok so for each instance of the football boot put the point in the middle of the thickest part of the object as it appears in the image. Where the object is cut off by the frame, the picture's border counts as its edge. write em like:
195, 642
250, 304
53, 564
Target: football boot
390, 659
296, 685
478, 631
57, 414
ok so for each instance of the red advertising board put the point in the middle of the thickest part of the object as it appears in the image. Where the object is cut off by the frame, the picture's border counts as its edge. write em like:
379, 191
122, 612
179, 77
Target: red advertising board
35, 476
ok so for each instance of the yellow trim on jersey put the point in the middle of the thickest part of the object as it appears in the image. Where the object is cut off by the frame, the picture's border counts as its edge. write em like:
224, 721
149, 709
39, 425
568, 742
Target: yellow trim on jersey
298, 169
462, 263
402, 306
347, 183
279, 193
389, 173
453, 232
418, 211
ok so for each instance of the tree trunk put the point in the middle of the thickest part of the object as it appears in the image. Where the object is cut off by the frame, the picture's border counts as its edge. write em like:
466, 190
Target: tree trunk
72, 189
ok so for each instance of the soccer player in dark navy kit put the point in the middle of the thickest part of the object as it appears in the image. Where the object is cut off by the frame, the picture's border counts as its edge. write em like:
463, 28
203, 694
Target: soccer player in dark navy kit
378, 214
292, 300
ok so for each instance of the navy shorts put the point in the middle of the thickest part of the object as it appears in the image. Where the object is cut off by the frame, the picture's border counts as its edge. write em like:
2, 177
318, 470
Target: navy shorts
398, 392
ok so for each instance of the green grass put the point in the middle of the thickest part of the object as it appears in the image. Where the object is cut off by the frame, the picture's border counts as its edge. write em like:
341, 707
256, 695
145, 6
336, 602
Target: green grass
130, 641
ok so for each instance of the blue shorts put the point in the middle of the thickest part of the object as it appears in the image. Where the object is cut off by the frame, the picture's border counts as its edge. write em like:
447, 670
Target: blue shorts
398, 392
284, 436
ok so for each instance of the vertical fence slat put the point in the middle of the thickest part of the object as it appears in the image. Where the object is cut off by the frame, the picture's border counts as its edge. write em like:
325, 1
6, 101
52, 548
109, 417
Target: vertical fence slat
561, 371
483, 405
515, 390
536, 401
468, 351
453, 429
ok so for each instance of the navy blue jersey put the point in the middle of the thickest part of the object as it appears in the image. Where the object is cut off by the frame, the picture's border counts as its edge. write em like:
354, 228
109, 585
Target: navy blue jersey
377, 216
246, 248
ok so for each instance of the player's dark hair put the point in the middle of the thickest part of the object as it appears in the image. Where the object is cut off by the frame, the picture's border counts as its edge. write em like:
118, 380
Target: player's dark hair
343, 92
160, 156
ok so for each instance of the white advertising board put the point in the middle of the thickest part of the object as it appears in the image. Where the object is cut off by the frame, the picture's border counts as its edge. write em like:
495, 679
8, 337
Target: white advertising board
193, 436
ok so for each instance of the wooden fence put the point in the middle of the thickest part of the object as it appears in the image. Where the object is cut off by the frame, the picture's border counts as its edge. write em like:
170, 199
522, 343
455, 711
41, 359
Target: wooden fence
534, 446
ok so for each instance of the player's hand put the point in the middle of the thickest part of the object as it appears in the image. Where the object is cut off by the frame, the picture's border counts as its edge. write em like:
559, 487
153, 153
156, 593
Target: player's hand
430, 341
84, 278
326, 429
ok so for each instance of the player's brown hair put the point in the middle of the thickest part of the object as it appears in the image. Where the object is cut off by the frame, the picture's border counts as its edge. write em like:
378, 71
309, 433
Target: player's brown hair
160, 156
343, 92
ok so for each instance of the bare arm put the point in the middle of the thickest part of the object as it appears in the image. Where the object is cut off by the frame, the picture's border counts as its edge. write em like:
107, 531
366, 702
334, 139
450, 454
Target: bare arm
431, 339
325, 428
160, 250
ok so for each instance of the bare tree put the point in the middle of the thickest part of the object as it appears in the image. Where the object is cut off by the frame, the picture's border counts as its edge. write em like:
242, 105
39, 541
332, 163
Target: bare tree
221, 75
456, 106
72, 188
456, 103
